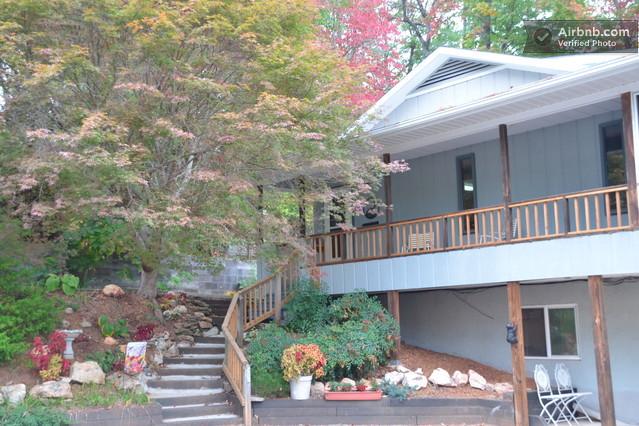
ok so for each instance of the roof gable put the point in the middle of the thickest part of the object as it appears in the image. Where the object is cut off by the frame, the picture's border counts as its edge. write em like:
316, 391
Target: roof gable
451, 69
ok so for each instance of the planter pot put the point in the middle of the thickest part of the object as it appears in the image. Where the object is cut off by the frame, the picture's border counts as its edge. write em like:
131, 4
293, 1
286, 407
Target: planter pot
353, 396
301, 387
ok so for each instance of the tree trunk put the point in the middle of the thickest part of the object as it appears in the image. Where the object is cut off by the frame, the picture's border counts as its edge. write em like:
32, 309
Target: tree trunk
148, 283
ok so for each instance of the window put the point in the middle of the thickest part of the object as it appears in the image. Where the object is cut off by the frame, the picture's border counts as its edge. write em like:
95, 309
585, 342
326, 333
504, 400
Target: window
614, 162
550, 331
467, 185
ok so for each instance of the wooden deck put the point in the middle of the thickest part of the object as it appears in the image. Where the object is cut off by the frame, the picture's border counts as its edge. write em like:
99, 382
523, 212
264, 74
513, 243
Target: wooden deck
580, 213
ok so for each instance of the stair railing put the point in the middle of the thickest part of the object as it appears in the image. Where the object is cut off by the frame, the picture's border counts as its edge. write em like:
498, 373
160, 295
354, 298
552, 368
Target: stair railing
249, 307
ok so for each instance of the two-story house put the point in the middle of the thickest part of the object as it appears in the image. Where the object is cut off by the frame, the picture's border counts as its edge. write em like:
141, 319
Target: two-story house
520, 207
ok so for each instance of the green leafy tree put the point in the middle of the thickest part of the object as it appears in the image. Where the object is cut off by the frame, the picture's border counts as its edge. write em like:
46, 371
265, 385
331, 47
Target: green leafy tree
173, 118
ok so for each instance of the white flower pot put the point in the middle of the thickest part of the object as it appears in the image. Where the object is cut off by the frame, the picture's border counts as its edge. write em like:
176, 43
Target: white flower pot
301, 387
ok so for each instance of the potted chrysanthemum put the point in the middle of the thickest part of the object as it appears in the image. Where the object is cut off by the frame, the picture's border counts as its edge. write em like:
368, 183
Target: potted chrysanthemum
300, 363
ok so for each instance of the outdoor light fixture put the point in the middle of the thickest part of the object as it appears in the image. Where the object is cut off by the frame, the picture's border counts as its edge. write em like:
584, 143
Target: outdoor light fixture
511, 333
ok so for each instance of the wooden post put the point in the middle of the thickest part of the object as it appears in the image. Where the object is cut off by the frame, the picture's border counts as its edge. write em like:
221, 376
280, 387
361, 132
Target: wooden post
505, 180
240, 321
602, 353
393, 308
520, 388
388, 200
629, 150
278, 298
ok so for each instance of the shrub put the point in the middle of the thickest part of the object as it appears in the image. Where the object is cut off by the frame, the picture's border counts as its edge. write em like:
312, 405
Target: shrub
264, 352
47, 358
25, 312
113, 329
395, 391
32, 414
108, 360
306, 311
303, 360
143, 332
67, 283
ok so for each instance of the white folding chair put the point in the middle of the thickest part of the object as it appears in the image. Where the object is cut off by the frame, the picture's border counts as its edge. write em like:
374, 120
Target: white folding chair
553, 406
564, 387
419, 242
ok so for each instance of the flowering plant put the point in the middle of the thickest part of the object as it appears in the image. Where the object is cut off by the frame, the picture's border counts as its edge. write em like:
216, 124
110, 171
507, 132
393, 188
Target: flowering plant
303, 360
47, 358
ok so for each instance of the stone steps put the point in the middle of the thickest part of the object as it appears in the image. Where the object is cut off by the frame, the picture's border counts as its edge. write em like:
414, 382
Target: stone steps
190, 388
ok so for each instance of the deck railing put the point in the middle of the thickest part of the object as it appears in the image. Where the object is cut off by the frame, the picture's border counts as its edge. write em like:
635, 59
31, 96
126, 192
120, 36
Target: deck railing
249, 307
598, 210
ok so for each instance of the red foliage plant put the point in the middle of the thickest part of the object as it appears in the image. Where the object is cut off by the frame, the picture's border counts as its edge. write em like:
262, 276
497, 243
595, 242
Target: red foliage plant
41, 353
144, 332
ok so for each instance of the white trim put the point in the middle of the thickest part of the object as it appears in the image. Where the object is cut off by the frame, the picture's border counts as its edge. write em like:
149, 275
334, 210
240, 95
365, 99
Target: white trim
549, 355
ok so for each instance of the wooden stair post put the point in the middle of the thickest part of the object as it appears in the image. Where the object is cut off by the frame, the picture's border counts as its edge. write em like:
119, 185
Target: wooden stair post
505, 180
393, 308
629, 154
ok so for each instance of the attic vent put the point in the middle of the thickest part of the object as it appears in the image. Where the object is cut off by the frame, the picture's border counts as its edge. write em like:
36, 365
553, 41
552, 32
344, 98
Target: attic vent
453, 68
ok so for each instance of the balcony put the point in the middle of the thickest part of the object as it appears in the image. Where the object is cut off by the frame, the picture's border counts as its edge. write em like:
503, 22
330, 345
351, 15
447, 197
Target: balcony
581, 213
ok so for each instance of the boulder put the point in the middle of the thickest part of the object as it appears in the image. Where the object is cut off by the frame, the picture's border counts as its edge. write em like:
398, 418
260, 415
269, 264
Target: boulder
85, 324
157, 358
125, 382
110, 341
317, 390
86, 372
402, 369
440, 377
415, 381
460, 378
68, 310
180, 310
419, 371
52, 389
476, 380
212, 332
14, 394
205, 325
348, 381
112, 290
394, 377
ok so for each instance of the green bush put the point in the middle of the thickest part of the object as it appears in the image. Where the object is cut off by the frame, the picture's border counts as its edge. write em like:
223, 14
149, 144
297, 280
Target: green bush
25, 312
113, 329
68, 283
264, 353
32, 413
106, 359
306, 311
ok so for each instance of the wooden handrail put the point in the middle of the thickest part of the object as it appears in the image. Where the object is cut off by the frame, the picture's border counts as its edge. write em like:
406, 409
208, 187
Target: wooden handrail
582, 212
245, 311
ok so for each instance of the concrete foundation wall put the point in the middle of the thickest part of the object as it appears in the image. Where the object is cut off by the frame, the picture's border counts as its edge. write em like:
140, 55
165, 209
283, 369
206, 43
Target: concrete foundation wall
472, 324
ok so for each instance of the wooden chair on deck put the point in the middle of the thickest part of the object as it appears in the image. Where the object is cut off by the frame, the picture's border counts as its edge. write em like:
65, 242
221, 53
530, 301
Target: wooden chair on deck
419, 242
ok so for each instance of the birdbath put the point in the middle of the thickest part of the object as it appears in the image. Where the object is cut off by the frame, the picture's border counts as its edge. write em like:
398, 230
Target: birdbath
69, 337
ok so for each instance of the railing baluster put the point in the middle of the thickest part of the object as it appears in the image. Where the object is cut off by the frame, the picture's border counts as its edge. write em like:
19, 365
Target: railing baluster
618, 208
536, 215
587, 212
577, 215
608, 214
527, 222
597, 213
546, 224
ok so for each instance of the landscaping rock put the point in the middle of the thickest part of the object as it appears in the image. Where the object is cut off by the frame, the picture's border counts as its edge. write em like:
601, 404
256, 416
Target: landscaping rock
402, 369
176, 312
476, 380
394, 377
185, 338
460, 378
110, 341
125, 382
86, 372
85, 324
440, 377
212, 332
112, 290
415, 381
347, 381
205, 325
172, 351
52, 389
68, 310
14, 394
419, 371
317, 390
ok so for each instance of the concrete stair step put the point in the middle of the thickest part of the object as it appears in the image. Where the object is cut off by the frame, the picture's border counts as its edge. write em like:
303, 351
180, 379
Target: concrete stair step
209, 420
177, 401
185, 384
217, 339
209, 360
196, 371
196, 411
162, 393
202, 350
